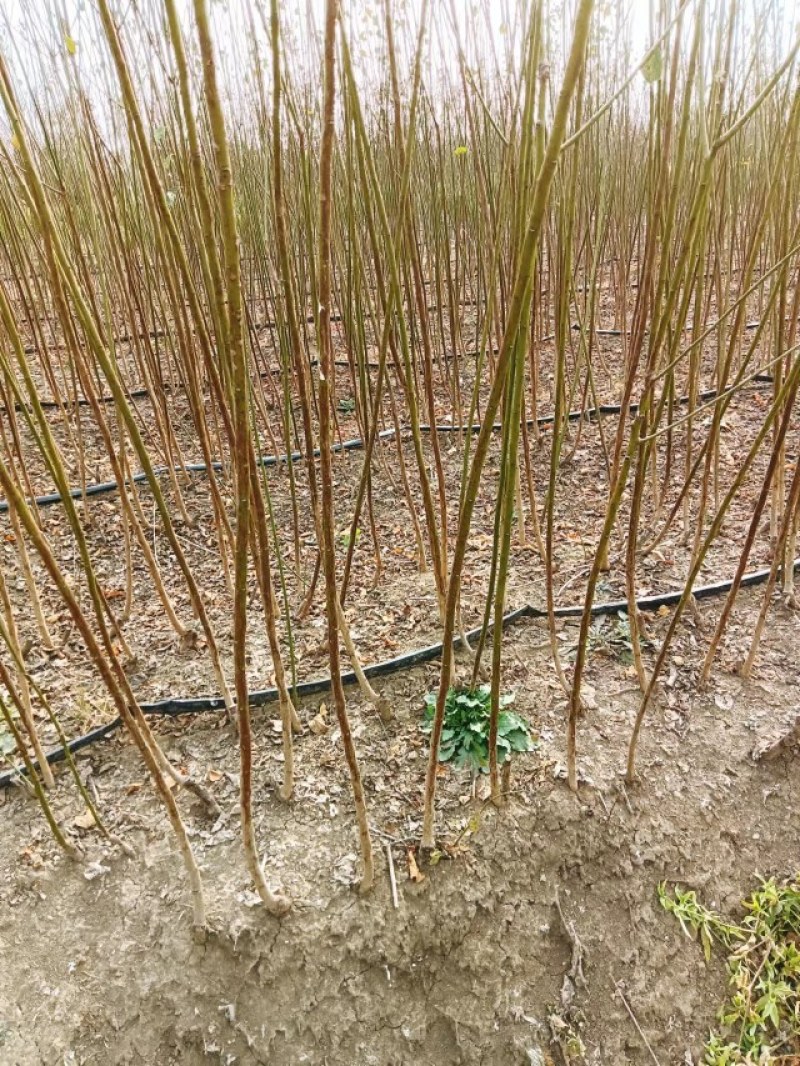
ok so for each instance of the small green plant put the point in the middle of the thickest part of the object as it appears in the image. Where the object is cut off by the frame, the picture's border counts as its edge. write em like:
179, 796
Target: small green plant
465, 736
611, 638
8, 744
761, 1019
343, 536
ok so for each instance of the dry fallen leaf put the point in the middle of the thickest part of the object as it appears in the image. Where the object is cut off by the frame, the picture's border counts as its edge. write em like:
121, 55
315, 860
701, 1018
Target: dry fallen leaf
95, 869
32, 856
188, 641
213, 776
319, 723
415, 874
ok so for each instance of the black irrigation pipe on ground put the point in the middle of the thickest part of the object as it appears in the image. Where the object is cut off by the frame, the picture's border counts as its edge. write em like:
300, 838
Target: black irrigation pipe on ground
102, 488
146, 394
599, 332
68, 405
143, 393
177, 705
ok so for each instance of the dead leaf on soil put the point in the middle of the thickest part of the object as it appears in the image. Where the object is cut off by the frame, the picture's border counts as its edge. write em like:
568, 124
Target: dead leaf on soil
414, 873
319, 724
771, 749
84, 821
33, 857
188, 641
95, 870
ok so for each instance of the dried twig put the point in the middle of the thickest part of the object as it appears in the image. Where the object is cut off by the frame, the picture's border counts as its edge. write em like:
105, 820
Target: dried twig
576, 973
392, 878
629, 1009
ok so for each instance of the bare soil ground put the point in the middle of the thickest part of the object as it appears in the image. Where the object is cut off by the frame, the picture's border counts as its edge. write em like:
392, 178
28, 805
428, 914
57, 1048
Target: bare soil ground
99, 966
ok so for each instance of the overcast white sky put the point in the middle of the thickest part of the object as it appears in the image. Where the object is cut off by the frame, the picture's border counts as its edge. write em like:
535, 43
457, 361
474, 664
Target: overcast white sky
23, 21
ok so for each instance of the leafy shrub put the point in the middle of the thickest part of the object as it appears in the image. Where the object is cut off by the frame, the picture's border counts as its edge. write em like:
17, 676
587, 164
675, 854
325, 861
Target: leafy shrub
762, 1015
465, 735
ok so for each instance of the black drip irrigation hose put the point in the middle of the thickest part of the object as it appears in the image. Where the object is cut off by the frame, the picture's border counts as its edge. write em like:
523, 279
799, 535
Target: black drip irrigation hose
143, 393
178, 705
67, 405
576, 327
102, 488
